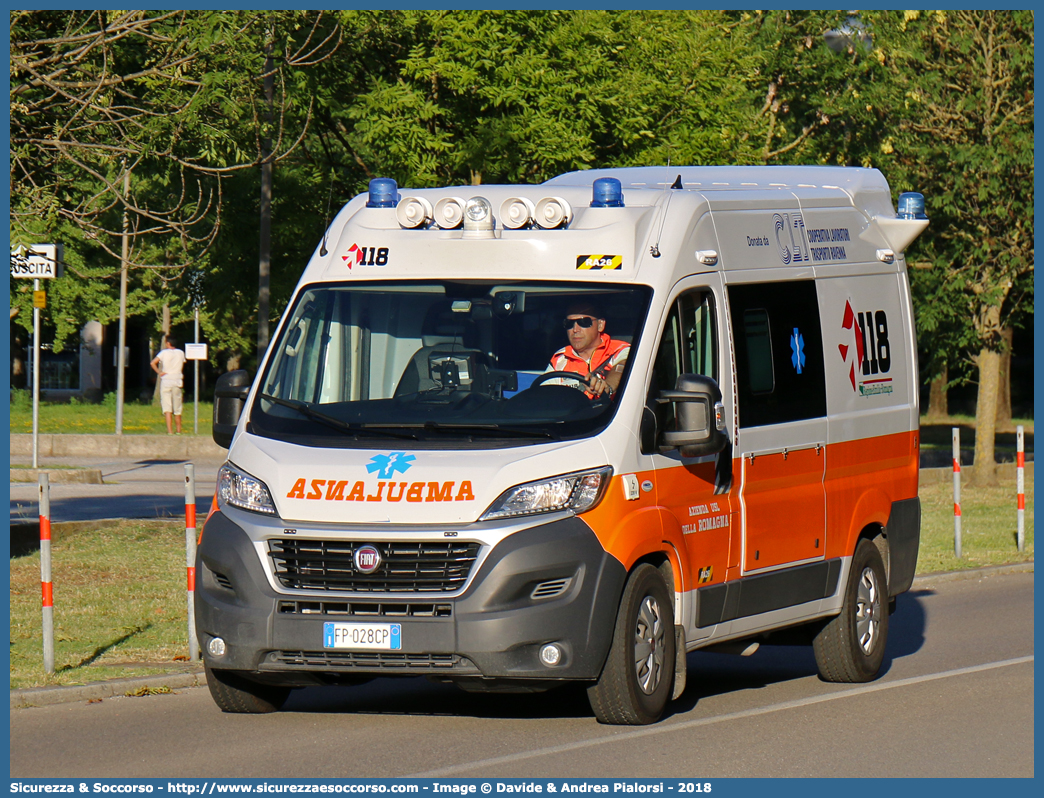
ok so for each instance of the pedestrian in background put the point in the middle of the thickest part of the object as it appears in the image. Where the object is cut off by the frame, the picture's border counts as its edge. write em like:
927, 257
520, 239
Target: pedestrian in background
168, 365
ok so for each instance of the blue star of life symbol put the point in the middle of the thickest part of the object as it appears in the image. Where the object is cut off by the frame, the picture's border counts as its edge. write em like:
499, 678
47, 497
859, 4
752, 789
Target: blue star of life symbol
387, 464
797, 348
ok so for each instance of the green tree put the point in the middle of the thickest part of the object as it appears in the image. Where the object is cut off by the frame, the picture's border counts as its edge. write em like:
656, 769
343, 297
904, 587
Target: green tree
170, 98
97, 97
480, 97
959, 127
942, 103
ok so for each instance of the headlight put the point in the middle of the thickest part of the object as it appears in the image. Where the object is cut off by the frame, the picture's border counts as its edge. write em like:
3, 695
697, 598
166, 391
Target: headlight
577, 493
244, 491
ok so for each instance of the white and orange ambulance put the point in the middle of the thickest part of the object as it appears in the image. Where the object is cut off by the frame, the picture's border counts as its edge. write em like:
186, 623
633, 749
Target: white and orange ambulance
412, 489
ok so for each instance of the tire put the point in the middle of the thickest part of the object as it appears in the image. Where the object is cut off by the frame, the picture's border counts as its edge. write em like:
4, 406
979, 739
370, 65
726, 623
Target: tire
638, 675
234, 693
851, 647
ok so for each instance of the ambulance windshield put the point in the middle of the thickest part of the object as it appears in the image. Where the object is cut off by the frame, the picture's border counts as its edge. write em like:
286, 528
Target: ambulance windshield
443, 363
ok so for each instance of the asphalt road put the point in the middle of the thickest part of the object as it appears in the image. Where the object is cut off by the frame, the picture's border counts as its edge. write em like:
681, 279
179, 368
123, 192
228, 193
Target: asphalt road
955, 700
134, 488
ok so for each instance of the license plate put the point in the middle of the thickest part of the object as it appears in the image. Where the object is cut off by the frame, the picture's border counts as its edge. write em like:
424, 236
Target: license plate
377, 636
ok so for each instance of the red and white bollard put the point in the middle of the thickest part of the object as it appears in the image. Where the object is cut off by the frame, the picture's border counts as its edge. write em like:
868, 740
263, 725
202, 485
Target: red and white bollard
190, 557
957, 492
1020, 485
47, 588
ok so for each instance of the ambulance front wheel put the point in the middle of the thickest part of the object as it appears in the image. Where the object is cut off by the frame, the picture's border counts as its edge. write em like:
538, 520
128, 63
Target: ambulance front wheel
236, 694
850, 648
638, 675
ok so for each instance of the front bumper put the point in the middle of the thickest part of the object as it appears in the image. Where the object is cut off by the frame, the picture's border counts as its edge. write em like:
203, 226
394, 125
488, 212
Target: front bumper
493, 630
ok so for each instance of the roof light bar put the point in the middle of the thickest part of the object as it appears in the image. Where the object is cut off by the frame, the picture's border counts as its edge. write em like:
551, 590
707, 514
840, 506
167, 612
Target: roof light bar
449, 212
911, 206
413, 212
553, 212
478, 218
516, 212
384, 193
607, 193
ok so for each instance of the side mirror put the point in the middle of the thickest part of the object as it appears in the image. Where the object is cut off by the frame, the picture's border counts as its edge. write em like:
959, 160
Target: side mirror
699, 427
230, 395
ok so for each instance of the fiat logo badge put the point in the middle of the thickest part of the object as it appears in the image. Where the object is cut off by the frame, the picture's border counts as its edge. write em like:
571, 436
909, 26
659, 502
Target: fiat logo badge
367, 559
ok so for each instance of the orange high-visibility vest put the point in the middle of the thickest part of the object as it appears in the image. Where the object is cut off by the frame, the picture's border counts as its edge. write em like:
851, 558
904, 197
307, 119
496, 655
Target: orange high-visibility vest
606, 356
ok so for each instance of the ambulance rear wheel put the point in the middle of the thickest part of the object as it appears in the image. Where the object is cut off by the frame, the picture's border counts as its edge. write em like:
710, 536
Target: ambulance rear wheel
850, 648
638, 676
236, 694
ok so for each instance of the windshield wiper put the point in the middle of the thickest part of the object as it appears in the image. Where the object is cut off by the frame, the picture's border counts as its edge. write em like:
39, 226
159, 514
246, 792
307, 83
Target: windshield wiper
438, 426
330, 421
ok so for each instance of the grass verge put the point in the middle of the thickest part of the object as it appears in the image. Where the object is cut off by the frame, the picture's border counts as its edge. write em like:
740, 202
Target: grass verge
119, 605
120, 602
988, 527
100, 419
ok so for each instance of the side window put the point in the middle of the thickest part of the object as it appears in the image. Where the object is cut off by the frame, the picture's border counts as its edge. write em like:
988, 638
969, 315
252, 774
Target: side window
779, 352
688, 345
759, 350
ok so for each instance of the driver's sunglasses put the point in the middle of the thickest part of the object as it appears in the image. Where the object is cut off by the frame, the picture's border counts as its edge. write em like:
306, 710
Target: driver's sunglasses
583, 321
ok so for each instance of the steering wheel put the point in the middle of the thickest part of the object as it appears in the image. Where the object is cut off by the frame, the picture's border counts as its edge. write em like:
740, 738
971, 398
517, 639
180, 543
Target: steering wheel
555, 375
567, 375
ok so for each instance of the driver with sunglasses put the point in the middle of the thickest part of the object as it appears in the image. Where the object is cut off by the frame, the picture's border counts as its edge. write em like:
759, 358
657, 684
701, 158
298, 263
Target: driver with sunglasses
590, 353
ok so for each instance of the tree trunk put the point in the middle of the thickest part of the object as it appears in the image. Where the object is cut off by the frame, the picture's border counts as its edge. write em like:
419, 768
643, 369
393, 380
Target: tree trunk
19, 376
1004, 391
985, 466
938, 405
265, 258
165, 324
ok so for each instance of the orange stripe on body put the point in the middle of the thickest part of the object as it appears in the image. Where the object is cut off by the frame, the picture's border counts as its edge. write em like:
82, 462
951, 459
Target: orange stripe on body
785, 506
191, 579
708, 524
863, 478
631, 529
190, 516
659, 521
48, 593
45, 528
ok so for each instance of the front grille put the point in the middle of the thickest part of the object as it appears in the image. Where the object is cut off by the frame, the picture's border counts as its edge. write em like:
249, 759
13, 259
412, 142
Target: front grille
363, 609
370, 660
410, 567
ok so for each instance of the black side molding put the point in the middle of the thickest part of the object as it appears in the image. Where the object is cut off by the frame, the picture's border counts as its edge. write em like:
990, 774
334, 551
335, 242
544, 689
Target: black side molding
903, 532
754, 595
